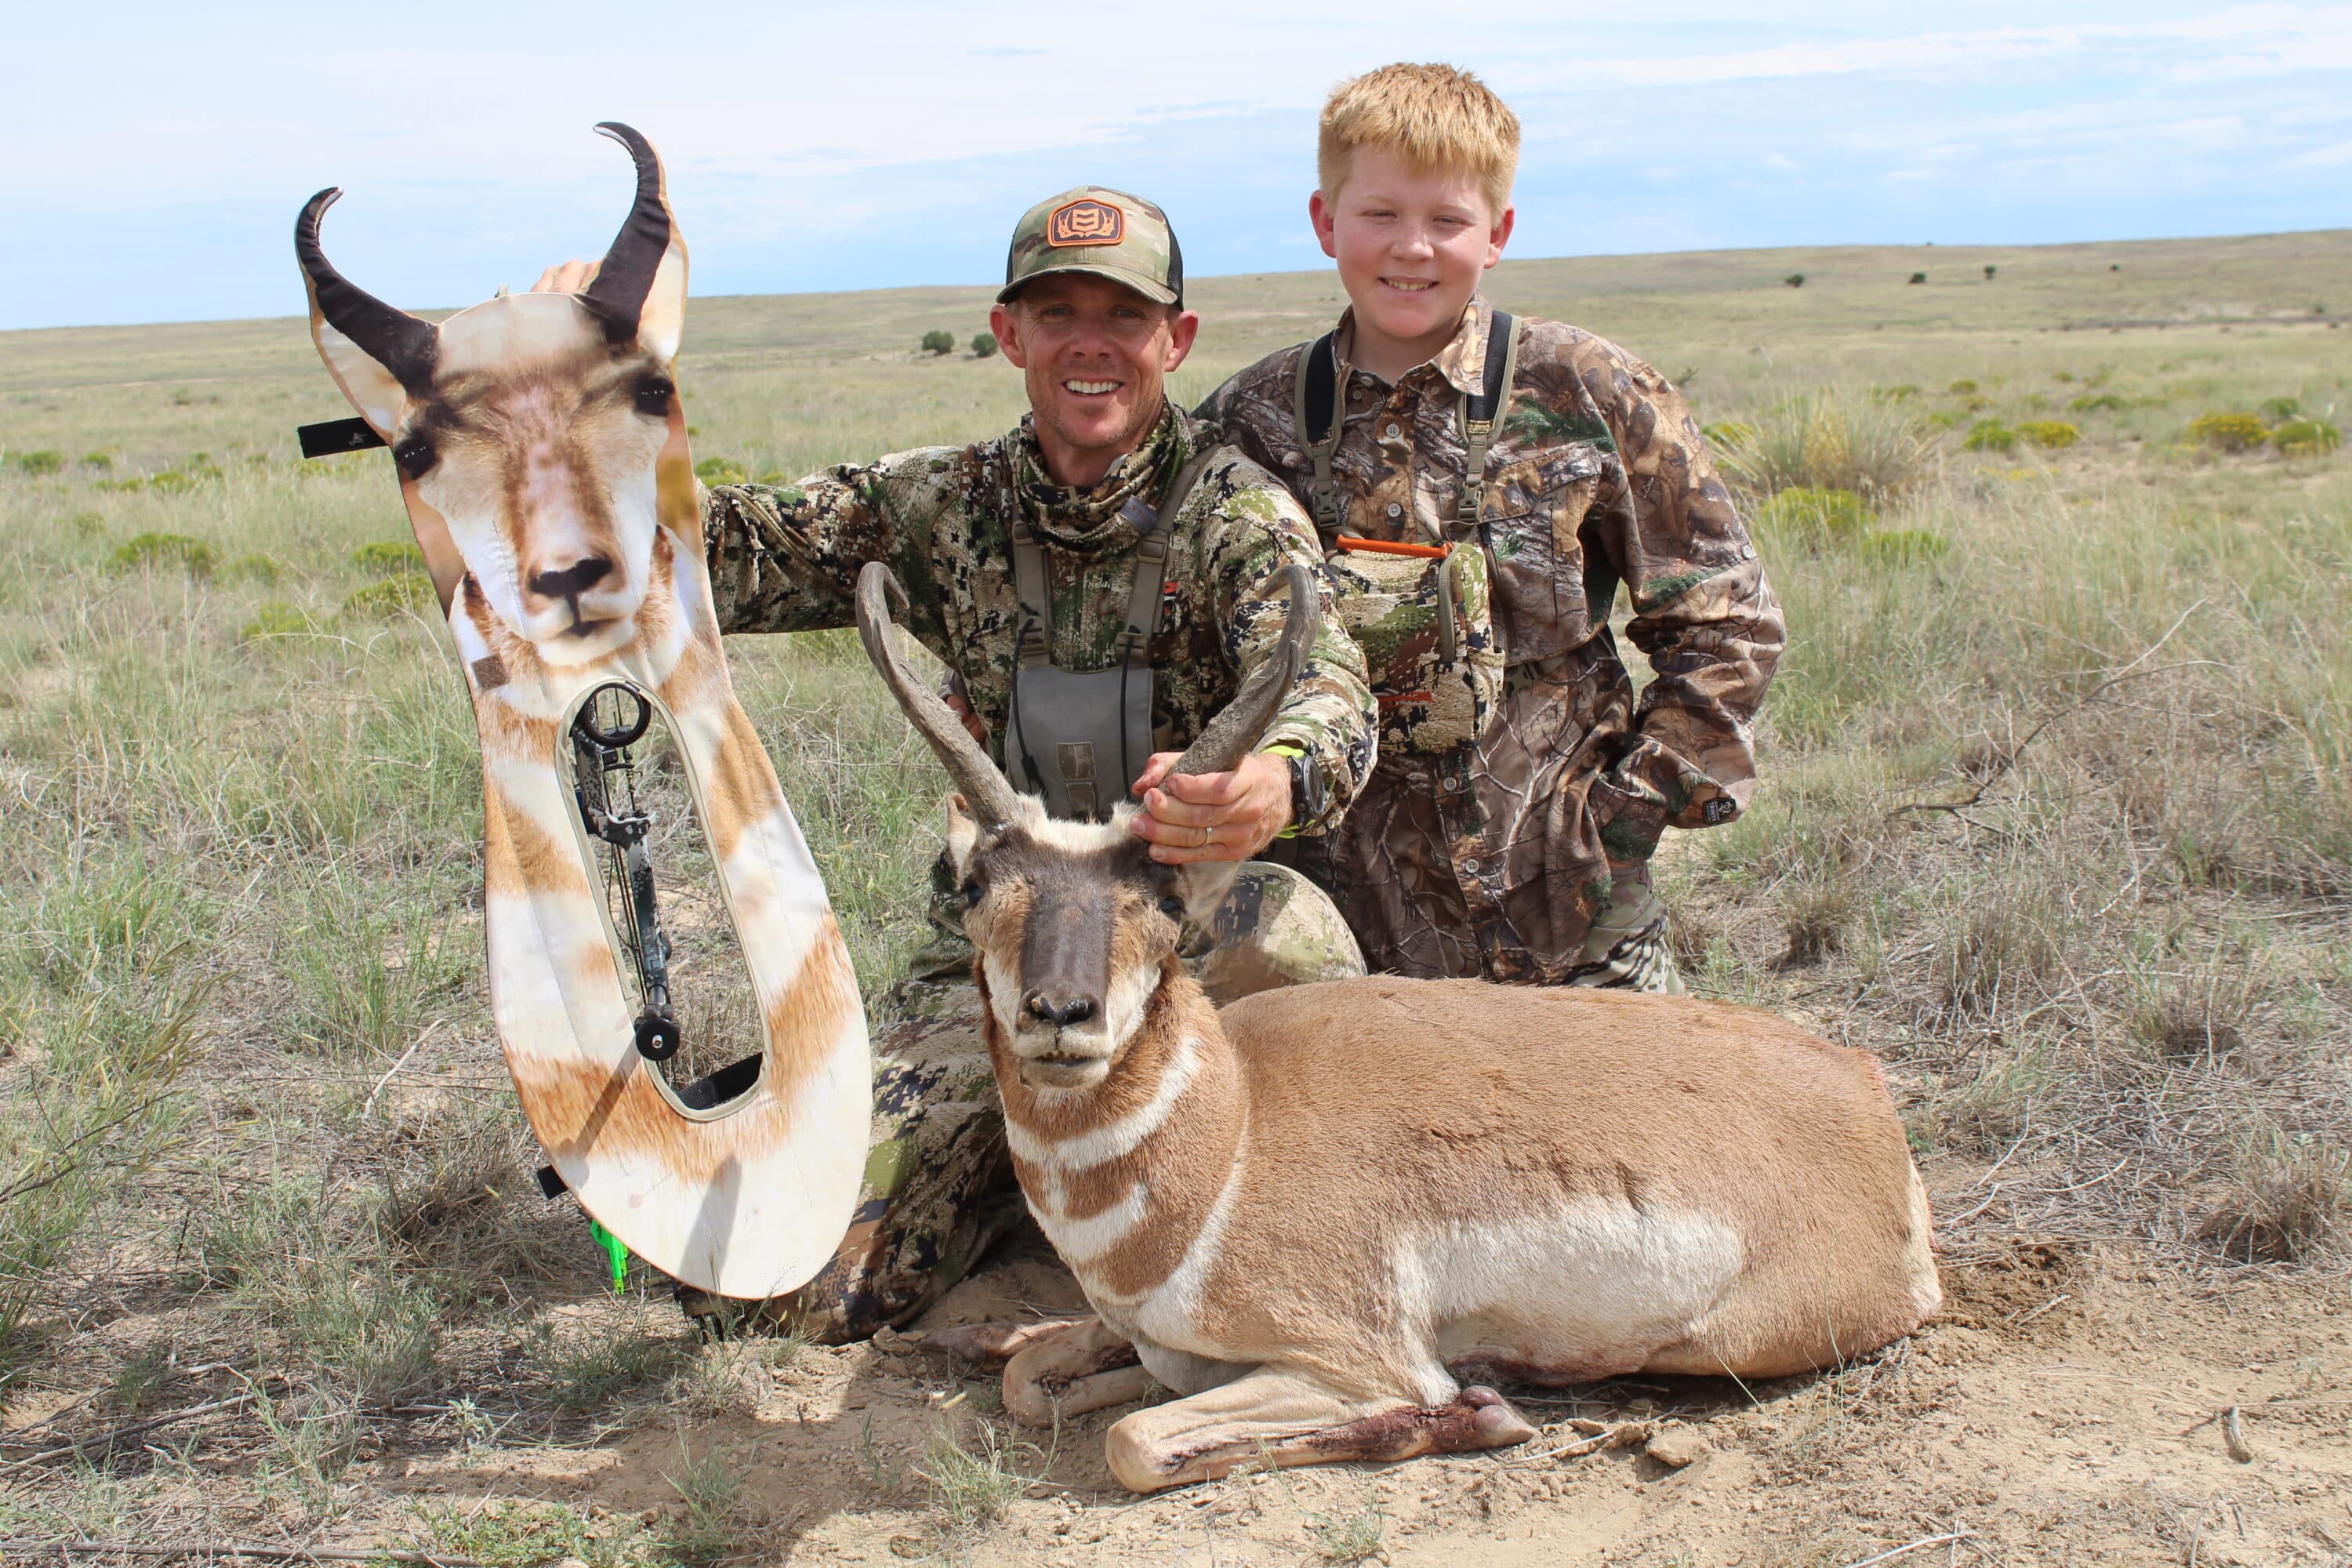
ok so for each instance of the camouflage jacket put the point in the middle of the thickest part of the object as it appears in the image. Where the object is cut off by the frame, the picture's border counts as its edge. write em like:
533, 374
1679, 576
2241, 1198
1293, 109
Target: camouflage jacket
786, 558
1494, 859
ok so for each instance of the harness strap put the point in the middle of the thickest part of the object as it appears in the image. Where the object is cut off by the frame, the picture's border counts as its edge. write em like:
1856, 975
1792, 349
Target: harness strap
1315, 415
1481, 413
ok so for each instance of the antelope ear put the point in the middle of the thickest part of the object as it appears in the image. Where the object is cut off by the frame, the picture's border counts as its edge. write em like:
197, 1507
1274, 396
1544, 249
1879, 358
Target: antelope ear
661, 325
963, 833
374, 391
1206, 883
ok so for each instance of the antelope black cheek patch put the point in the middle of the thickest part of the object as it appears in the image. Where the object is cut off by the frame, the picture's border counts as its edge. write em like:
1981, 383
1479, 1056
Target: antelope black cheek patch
702, 1086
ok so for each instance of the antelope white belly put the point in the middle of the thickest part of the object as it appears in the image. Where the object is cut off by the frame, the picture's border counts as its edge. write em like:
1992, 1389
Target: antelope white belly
1583, 1293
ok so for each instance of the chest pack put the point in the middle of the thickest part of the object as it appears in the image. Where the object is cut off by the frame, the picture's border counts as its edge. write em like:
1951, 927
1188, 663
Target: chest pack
1421, 611
1079, 738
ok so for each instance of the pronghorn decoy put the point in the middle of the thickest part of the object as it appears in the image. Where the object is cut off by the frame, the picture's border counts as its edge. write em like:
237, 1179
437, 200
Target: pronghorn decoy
540, 445
1311, 1214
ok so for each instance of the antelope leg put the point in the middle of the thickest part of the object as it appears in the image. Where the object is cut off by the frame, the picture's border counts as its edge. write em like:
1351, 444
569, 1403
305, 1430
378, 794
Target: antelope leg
990, 1344
1080, 1369
1279, 1418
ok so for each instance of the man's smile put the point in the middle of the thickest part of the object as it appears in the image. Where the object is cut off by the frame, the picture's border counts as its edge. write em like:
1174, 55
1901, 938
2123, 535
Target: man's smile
1091, 388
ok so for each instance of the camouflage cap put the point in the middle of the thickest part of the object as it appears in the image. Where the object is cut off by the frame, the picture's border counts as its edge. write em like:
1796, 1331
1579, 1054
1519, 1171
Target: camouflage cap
1096, 229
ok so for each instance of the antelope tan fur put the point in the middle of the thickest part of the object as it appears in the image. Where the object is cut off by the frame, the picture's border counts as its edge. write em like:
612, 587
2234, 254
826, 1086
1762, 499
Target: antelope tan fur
1314, 1212
541, 449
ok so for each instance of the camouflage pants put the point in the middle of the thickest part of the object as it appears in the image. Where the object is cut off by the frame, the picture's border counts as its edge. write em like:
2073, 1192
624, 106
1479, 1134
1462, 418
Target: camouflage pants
1626, 948
939, 1185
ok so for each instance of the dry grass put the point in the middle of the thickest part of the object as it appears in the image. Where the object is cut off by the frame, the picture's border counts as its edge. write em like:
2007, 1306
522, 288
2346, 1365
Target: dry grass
2057, 819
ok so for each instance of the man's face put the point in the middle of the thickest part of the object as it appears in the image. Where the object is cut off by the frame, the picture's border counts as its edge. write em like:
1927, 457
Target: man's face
1096, 355
1412, 243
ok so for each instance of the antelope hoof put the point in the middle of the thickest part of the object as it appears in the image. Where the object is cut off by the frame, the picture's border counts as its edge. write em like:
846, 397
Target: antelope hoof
1085, 1368
987, 1345
1146, 1456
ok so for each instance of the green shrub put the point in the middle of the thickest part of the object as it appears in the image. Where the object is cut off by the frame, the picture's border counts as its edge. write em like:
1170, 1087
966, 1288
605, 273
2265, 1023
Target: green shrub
1962, 387
2278, 410
2100, 403
128, 487
172, 482
276, 618
1991, 435
41, 462
256, 567
388, 557
1794, 280
1728, 433
193, 553
1831, 440
1904, 546
98, 462
88, 524
1918, 277
939, 340
1903, 393
2230, 432
2050, 434
1945, 419
1990, 271
1803, 513
721, 471
982, 344
1976, 402
394, 595
2307, 437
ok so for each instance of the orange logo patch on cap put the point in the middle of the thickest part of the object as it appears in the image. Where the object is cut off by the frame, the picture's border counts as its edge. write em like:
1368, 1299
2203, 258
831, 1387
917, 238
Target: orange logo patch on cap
1086, 222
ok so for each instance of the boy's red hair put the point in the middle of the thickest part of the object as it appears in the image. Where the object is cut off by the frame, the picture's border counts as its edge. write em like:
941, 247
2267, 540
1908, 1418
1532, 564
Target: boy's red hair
1429, 116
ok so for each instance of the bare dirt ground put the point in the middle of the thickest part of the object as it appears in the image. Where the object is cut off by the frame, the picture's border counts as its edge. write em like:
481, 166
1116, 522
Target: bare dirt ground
2066, 1406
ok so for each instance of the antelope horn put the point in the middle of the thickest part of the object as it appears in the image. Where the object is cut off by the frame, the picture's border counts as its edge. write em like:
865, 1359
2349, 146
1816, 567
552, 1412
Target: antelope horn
403, 344
617, 297
985, 790
1231, 735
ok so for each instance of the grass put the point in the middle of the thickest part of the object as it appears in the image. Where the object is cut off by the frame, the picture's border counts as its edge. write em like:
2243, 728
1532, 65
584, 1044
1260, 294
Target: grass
977, 1474
2055, 813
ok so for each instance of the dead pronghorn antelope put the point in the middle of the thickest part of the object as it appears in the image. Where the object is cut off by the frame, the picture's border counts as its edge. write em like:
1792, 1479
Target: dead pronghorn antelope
1310, 1213
541, 449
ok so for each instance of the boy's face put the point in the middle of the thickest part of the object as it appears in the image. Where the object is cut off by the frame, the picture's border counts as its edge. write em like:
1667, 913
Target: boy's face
1412, 243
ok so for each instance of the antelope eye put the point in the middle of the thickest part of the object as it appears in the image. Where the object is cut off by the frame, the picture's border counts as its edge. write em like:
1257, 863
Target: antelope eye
414, 457
654, 393
1173, 907
970, 894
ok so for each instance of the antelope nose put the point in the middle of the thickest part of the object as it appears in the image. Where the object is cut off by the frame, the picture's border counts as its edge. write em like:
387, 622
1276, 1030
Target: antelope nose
574, 580
1059, 1011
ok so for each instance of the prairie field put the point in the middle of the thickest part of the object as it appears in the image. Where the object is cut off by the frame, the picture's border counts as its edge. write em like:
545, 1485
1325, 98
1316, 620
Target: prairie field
2055, 816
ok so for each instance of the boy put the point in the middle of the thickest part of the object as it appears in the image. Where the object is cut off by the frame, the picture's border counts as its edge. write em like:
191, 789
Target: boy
1480, 494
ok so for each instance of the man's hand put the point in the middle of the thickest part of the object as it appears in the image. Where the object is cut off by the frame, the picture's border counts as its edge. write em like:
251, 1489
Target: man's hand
1211, 816
567, 278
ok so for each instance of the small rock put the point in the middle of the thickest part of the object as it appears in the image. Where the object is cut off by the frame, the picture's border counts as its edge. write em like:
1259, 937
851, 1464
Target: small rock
908, 1546
1679, 1445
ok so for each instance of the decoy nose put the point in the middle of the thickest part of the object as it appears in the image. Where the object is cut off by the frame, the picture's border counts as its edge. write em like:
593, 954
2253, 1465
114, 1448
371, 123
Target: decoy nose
572, 580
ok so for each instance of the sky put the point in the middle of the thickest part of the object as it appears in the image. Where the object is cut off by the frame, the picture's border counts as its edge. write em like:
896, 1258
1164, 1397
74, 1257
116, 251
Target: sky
156, 154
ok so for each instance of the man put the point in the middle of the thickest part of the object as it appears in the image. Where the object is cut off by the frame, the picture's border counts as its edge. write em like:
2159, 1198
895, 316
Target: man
1100, 581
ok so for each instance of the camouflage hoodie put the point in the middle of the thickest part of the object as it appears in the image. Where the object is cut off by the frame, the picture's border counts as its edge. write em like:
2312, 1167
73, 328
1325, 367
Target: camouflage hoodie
1494, 859
785, 558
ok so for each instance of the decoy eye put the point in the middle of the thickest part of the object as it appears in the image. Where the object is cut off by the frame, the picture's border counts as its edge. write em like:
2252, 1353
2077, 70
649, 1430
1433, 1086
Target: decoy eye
652, 395
414, 457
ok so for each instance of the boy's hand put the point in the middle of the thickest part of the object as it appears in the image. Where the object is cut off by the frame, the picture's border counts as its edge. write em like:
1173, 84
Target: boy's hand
1211, 816
567, 278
